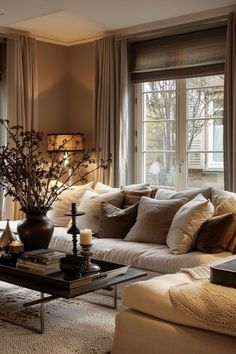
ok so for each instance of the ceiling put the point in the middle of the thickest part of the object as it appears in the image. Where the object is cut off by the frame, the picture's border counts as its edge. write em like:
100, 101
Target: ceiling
71, 21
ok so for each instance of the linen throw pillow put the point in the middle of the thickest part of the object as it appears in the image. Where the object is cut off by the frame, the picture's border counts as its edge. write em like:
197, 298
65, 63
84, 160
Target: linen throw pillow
186, 224
189, 194
63, 205
116, 222
101, 188
91, 205
153, 220
216, 233
226, 206
133, 197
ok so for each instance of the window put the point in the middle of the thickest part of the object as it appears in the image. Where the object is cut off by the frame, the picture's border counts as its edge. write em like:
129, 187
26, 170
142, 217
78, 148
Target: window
179, 132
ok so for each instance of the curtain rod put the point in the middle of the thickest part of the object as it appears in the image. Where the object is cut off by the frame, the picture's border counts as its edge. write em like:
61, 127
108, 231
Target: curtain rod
11, 33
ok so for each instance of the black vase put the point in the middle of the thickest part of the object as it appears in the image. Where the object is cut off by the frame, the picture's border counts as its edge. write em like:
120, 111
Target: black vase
35, 231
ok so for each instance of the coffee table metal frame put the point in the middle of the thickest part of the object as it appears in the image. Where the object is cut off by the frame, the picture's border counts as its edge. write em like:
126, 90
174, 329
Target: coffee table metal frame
55, 293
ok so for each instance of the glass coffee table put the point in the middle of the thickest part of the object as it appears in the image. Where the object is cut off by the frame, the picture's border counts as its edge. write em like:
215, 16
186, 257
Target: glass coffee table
55, 286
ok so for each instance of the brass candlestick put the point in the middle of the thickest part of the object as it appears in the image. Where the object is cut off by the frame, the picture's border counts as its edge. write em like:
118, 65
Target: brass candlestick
87, 266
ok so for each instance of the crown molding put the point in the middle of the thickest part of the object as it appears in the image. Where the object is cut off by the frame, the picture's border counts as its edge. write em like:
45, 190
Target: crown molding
128, 32
171, 22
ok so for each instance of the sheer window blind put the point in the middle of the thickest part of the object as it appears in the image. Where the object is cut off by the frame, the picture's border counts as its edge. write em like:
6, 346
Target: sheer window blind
182, 55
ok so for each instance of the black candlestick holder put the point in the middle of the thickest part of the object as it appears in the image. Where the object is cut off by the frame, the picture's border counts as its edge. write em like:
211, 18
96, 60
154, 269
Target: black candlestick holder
71, 265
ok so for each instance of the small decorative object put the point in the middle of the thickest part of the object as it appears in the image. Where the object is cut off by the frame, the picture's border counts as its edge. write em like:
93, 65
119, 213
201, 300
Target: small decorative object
16, 247
71, 264
7, 237
36, 182
86, 244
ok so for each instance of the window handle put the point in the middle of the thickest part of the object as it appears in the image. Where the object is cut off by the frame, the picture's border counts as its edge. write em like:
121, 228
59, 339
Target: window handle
180, 167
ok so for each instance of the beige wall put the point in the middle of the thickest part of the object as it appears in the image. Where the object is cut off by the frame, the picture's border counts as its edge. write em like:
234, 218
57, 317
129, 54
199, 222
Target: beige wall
81, 86
66, 79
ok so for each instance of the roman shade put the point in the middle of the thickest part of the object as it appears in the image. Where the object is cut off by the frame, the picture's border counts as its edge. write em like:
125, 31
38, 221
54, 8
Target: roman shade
182, 55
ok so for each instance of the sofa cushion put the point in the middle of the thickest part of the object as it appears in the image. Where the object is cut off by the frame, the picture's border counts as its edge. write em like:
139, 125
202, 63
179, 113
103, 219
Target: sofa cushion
63, 205
226, 206
133, 196
154, 219
152, 297
216, 233
186, 224
148, 256
91, 205
101, 188
115, 222
189, 194
217, 196
136, 187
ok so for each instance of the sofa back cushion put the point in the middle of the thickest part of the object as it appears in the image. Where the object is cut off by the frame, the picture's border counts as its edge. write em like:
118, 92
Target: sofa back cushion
63, 205
217, 196
132, 197
91, 205
116, 222
186, 224
189, 194
216, 233
153, 220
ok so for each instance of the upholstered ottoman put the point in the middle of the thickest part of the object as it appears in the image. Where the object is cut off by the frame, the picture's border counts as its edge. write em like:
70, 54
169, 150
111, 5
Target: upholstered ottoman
152, 324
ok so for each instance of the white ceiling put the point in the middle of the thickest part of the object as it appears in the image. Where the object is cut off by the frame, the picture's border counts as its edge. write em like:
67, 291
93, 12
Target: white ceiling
71, 21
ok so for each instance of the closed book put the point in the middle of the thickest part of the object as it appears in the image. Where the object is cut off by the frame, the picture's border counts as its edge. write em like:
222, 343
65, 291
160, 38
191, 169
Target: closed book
224, 273
44, 255
37, 270
39, 262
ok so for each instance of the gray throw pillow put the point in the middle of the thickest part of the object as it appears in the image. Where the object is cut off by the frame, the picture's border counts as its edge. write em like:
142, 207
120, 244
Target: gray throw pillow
189, 194
154, 219
115, 222
91, 205
133, 197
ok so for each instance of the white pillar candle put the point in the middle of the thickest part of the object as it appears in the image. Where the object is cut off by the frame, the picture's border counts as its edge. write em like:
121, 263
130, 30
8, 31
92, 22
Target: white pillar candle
86, 237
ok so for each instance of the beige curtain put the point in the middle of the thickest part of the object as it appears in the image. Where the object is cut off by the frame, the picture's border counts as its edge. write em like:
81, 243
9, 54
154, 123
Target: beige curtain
230, 107
111, 109
22, 95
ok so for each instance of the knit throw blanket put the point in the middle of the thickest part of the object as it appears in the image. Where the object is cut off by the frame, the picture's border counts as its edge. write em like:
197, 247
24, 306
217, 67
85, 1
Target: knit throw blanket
211, 304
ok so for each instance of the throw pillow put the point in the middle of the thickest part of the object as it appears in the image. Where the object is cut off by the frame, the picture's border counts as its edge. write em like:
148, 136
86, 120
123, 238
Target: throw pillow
63, 205
227, 206
115, 222
216, 233
153, 220
91, 205
101, 188
189, 194
133, 197
217, 196
136, 187
186, 224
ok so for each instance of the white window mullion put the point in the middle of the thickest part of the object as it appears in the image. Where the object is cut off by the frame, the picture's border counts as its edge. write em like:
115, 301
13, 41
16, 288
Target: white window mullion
181, 156
138, 141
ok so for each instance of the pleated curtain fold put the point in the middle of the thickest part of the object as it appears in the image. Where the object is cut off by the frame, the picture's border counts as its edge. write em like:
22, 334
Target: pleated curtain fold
22, 95
111, 110
230, 106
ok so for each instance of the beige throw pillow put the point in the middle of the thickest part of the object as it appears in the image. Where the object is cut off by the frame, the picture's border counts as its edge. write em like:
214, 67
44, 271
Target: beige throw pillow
101, 188
227, 206
91, 205
115, 222
189, 193
133, 197
218, 196
63, 205
153, 220
186, 224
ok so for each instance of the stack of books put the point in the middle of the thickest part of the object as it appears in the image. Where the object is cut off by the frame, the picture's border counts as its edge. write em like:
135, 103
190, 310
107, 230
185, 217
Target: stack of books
41, 261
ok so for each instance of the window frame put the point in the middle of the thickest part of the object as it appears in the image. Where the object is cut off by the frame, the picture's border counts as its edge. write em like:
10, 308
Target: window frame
181, 168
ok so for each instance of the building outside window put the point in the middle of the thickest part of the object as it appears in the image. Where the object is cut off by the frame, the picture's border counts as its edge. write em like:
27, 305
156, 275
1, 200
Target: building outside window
179, 132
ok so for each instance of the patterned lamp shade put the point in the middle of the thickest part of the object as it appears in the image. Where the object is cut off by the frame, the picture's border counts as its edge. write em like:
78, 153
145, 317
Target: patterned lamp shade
65, 142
